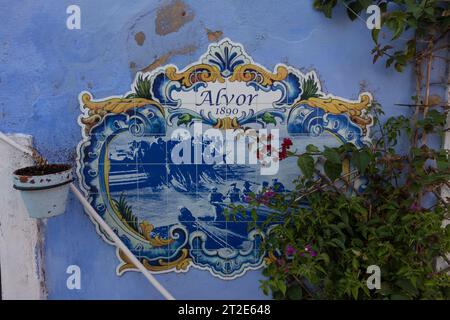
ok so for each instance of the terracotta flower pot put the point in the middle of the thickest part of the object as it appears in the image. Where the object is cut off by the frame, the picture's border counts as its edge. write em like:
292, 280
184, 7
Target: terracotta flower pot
44, 189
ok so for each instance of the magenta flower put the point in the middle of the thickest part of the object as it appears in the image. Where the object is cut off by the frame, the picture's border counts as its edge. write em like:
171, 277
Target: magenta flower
269, 194
309, 249
248, 199
415, 207
281, 262
290, 250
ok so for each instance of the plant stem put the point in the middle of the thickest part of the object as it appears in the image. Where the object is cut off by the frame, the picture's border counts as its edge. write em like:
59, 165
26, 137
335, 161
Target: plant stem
427, 92
300, 282
418, 76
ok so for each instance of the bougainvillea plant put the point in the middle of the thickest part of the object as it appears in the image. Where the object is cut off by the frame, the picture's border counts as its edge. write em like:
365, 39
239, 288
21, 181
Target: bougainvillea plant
337, 223
384, 204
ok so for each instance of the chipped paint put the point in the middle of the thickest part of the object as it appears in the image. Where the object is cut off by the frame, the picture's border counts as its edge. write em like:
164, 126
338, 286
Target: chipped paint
172, 17
140, 38
214, 36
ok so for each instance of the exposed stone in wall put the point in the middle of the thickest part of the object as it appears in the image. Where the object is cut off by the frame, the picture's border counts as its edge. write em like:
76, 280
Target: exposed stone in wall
213, 35
159, 34
172, 17
140, 38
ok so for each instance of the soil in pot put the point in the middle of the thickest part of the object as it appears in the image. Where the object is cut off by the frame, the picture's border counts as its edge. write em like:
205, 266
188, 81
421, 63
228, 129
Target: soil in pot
42, 170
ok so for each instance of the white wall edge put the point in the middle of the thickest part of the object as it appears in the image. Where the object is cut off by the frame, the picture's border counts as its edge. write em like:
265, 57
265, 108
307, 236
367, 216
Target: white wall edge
21, 237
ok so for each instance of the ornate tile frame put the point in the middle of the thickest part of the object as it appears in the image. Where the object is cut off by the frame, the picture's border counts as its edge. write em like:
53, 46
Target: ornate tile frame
292, 100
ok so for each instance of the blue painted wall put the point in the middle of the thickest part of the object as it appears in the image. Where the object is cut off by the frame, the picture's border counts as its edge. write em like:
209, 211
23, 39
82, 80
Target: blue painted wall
43, 67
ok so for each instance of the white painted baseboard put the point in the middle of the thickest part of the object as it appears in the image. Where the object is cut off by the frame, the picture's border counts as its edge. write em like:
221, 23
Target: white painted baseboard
21, 238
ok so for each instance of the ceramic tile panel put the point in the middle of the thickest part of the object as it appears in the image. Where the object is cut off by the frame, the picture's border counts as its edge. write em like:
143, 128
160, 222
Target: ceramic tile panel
156, 164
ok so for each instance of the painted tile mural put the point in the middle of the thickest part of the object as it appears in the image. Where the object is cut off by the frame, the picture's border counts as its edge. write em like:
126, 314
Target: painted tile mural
157, 166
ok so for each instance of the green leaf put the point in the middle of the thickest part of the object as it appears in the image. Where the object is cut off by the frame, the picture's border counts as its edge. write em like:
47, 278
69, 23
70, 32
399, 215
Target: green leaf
332, 155
338, 243
312, 148
306, 164
355, 264
355, 205
443, 164
389, 61
254, 214
326, 6
399, 67
295, 292
281, 285
361, 160
375, 33
332, 170
406, 285
184, 119
400, 24
325, 257
355, 293
268, 118
131, 96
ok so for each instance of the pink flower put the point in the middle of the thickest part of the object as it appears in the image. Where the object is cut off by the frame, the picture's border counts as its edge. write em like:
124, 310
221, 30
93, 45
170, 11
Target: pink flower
269, 194
263, 200
415, 207
290, 250
265, 197
309, 249
281, 262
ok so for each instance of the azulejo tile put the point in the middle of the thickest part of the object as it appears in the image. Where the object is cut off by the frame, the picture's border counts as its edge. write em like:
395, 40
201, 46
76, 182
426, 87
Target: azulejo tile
157, 166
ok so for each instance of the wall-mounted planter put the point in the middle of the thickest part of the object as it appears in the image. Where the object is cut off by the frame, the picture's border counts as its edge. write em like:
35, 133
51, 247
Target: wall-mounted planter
44, 189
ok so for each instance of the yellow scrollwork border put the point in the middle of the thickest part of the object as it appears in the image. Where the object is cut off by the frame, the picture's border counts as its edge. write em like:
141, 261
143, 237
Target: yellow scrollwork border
249, 72
338, 106
181, 263
145, 226
98, 109
199, 72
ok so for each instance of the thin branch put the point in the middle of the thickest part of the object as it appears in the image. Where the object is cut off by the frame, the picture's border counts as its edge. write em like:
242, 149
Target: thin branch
300, 282
319, 184
415, 119
427, 91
